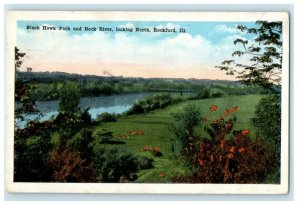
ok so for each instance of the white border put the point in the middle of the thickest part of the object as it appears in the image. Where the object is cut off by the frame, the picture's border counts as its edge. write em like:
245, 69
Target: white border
14, 16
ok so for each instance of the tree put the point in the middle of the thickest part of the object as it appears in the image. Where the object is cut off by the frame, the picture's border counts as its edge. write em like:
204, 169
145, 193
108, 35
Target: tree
18, 57
23, 89
69, 99
264, 68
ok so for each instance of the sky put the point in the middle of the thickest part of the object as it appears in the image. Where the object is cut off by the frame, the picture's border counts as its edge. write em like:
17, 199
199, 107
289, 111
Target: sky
193, 54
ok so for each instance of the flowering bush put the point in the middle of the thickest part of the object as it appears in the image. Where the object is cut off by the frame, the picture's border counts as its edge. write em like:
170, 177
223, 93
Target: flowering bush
154, 149
130, 133
238, 159
69, 167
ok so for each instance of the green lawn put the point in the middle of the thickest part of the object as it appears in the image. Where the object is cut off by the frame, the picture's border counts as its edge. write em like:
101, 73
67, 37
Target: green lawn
156, 126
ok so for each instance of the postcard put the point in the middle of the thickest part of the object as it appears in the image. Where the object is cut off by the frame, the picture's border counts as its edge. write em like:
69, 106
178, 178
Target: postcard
147, 102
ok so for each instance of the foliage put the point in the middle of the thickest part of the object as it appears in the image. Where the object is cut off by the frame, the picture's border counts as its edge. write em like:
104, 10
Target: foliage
69, 167
265, 55
152, 102
104, 135
27, 104
18, 57
184, 122
144, 162
115, 163
82, 143
223, 159
31, 159
106, 117
70, 118
156, 151
267, 120
69, 99
86, 117
31, 148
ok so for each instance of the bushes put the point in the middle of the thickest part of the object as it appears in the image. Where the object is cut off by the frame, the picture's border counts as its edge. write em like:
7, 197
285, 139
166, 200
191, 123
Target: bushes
267, 120
183, 123
152, 102
104, 135
224, 159
31, 158
221, 90
69, 167
202, 93
116, 164
232, 160
238, 160
69, 98
144, 162
106, 117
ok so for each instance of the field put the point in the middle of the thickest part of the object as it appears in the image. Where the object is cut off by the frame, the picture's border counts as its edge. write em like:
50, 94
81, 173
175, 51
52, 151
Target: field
156, 126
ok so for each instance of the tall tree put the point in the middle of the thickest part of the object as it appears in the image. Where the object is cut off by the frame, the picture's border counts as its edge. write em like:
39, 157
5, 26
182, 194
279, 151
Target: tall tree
265, 55
18, 58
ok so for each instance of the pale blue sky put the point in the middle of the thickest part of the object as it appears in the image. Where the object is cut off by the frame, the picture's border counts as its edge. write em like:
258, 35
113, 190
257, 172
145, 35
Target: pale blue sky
191, 54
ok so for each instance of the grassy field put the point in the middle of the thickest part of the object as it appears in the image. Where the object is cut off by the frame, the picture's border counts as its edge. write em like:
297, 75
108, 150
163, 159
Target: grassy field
156, 125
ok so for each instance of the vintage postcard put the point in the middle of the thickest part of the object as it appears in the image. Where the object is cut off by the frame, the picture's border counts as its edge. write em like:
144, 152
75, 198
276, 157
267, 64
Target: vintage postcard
147, 102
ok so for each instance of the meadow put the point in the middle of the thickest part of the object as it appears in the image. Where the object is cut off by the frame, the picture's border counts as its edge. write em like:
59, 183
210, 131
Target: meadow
157, 133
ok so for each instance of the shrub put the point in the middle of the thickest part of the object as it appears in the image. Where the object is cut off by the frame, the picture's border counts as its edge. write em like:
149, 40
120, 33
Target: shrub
106, 117
145, 162
31, 159
156, 151
103, 134
238, 160
135, 109
184, 122
69, 98
114, 163
221, 159
203, 93
267, 120
69, 167
81, 142
86, 117
152, 102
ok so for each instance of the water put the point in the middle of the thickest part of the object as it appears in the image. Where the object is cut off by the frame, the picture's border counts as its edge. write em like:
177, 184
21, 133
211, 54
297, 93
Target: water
112, 104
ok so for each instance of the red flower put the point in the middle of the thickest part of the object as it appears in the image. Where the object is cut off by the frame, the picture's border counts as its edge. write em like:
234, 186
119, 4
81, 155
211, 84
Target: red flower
241, 150
232, 149
235, 108
215, 121
222, 144
213, 108
228, 126
226, 112
201, 162
230, 156
161, 174
245, 132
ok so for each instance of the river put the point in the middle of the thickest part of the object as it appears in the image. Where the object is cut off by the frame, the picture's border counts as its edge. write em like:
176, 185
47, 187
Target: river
112, 104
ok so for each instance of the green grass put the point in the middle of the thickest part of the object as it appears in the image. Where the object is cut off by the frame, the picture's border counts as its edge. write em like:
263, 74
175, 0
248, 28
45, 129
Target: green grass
157, 133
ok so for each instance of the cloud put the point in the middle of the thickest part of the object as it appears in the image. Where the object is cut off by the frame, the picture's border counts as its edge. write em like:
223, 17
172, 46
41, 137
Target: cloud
225, 29
97, 51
